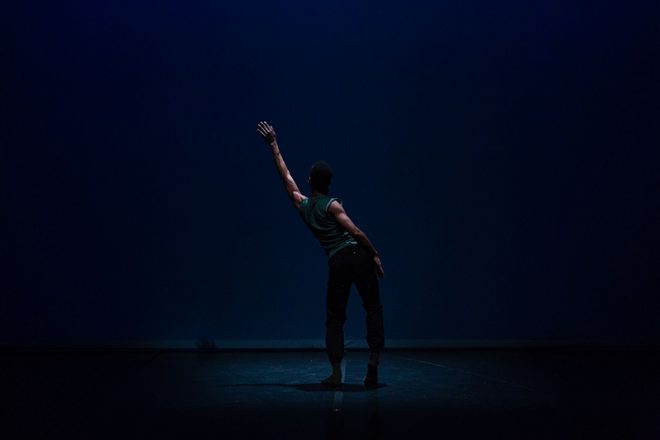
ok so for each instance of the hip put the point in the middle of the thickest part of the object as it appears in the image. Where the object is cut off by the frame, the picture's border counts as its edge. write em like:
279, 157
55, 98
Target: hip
349, 252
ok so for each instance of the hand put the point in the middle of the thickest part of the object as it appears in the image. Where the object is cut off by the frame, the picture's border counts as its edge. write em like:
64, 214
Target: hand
267, 132
379, 266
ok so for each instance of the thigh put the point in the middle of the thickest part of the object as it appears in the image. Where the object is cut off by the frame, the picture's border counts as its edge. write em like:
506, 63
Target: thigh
339, 281
366, 278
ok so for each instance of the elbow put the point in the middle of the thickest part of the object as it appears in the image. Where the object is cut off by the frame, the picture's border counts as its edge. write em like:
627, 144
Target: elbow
356, 233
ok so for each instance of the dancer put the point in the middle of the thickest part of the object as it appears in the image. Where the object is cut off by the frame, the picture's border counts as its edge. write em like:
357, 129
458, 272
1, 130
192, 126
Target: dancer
352, 258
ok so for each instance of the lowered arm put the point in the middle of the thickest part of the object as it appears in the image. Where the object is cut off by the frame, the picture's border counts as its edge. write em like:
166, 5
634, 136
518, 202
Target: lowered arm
338, 212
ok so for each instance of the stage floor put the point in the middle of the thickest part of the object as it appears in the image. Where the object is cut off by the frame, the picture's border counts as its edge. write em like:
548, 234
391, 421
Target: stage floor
531, 394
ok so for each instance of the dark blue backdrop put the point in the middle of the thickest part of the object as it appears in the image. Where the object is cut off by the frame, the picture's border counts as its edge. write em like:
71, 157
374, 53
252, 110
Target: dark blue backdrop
503, 157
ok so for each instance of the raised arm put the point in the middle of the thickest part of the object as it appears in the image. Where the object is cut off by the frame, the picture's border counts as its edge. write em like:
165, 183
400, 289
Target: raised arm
268, 133
337, 211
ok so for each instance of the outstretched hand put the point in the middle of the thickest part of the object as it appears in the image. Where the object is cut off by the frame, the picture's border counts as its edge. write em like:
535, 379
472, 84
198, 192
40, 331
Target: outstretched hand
266, 131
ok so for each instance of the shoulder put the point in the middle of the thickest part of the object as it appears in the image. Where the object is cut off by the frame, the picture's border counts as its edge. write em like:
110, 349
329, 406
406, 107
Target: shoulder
299, 200
334, 206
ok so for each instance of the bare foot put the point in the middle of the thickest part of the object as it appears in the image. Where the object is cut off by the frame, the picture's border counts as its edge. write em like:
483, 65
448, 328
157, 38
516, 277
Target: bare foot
333, 380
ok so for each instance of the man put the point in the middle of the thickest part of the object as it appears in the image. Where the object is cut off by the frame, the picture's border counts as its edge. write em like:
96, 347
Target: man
351, 259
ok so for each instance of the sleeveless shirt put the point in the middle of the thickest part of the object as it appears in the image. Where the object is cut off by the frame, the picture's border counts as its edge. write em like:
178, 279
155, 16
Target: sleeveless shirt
331, 236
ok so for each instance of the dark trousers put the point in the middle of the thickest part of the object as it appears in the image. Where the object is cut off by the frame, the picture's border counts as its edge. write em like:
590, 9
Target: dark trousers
352, 264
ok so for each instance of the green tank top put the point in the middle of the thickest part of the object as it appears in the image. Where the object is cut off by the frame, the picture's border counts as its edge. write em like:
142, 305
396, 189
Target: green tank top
331, 236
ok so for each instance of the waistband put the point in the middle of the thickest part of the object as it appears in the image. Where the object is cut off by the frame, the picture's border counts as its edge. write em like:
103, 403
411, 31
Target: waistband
346, 249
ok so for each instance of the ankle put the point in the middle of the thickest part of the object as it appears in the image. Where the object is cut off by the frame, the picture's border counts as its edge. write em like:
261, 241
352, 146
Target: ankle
372, 375
374, 358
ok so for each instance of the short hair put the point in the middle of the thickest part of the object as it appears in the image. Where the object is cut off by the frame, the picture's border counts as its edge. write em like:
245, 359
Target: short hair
321, 176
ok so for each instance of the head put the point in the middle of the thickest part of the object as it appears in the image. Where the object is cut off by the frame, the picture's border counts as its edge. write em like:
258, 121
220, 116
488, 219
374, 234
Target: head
320, 177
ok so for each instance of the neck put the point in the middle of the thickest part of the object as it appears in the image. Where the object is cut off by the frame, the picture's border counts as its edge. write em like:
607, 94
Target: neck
316, 193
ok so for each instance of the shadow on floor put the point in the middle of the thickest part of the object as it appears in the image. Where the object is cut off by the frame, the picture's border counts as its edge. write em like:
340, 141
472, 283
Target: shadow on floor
312, 387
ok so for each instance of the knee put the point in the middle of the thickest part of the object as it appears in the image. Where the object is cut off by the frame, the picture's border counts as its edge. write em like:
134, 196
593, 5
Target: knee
335, 317
335, 322
373, 307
